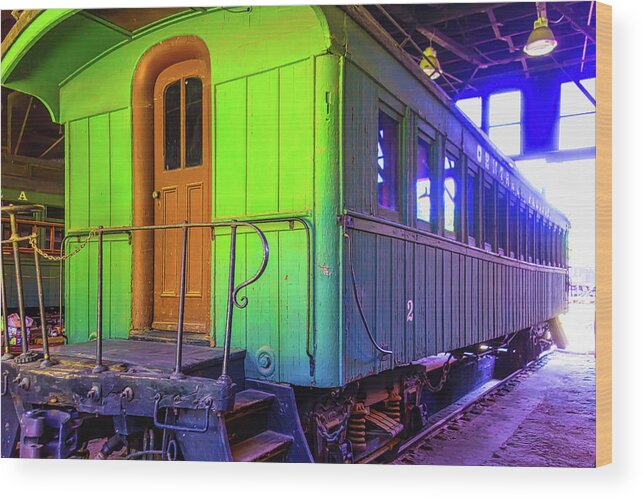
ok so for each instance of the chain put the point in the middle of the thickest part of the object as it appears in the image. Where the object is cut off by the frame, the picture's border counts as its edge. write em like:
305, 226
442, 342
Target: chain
341, 426
446, 367
33, 238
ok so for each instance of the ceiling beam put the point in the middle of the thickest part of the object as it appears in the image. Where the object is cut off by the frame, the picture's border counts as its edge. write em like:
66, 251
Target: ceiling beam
451, 45
454, 12
588, 31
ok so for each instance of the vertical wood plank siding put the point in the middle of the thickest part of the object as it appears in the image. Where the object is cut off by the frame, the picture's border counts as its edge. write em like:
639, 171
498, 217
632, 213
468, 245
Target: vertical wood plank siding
99, 193
459, 297
263, 150
453, 307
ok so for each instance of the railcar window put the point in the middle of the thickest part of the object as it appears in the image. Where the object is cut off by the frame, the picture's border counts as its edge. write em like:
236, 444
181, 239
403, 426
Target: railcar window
538, 232
423, 182
387, 162
489, 215
513, 234
502, 223
172, 125
531, 225
550, 238
193, 122
473, 210
55, 213
523, 233
449, 193
546, 244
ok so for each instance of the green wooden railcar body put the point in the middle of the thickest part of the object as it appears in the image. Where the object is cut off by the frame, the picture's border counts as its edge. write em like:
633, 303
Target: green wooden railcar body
295, 92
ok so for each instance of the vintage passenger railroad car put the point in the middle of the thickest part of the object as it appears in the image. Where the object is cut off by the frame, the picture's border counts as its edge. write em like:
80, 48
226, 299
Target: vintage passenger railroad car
396, 230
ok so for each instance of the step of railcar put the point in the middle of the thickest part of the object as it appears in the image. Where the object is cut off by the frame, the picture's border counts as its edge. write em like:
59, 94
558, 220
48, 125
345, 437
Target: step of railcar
261, 447
198, 339
249, 402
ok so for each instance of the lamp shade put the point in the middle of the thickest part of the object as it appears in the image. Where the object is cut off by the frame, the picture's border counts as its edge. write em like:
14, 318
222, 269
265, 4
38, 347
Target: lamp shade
541, 41
430, 64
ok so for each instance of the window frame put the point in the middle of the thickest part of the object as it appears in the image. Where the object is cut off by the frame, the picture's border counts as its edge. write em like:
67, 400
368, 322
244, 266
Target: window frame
383, 211
449, 153
502, 199
522, 241
519, 123
492, 245
513, 228
421, 134
473, 171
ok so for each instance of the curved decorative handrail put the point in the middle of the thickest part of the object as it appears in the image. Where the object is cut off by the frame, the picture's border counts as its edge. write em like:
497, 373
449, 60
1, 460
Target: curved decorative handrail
243, 302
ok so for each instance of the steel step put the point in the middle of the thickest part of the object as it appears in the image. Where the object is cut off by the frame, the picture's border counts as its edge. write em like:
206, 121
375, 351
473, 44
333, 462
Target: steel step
248, 402
261, 447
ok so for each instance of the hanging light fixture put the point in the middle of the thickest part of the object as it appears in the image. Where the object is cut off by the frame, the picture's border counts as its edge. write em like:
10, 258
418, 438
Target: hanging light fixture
541, 41
430, 64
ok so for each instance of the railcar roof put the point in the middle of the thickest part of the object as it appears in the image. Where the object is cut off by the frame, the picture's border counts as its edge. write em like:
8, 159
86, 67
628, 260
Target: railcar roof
103, 30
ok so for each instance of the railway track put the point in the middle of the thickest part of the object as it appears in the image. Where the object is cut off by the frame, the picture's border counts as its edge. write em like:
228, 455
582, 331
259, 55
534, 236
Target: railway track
472, 403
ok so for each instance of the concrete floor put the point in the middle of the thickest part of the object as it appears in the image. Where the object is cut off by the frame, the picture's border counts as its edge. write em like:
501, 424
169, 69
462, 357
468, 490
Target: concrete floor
548, 419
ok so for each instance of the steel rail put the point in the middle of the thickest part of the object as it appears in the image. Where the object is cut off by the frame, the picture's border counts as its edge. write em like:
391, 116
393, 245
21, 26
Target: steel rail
436, 427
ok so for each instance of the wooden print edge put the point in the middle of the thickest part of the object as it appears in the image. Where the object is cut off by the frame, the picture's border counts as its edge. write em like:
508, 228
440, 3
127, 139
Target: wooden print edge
603, 234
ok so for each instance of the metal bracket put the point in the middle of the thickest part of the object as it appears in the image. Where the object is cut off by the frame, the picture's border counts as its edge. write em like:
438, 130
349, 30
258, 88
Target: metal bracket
198, 429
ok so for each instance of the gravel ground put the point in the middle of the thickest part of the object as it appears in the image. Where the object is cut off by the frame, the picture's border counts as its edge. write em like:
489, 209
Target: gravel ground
548, 419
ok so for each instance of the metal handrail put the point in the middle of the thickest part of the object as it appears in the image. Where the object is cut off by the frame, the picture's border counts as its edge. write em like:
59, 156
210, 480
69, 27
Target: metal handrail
233, 291
26, 355
233, 298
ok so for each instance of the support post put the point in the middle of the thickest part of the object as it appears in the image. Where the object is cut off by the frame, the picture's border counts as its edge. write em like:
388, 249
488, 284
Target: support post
46, 362
179, 330
230, 309
5, 327
99, 368
26, 355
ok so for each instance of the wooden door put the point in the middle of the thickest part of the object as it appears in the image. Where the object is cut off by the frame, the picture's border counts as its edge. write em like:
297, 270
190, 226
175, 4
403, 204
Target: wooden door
182, 191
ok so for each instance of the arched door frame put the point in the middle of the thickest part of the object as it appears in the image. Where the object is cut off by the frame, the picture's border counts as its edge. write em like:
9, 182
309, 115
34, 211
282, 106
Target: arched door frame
149, 67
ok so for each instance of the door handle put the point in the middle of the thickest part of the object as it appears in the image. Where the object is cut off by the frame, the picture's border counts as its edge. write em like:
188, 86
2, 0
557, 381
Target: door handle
156, 194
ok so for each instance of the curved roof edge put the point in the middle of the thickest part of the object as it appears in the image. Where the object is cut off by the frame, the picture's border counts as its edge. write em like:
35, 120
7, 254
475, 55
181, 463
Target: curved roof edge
31, 26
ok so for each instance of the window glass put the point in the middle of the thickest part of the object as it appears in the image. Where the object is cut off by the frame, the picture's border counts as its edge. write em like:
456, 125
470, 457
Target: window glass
423, 182
387, 162
502, 222
55, 212
577, 131
193, 122
514, 225
539, 255
489, 214
530, 237
523, 233
505, 111
577, 126
472, 205
472, 107
172, 126
449, 193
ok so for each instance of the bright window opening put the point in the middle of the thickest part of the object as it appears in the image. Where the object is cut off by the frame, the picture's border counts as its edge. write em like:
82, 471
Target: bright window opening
472, 107
577, 126
387, 162
505, 111
423, 182
449, 194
